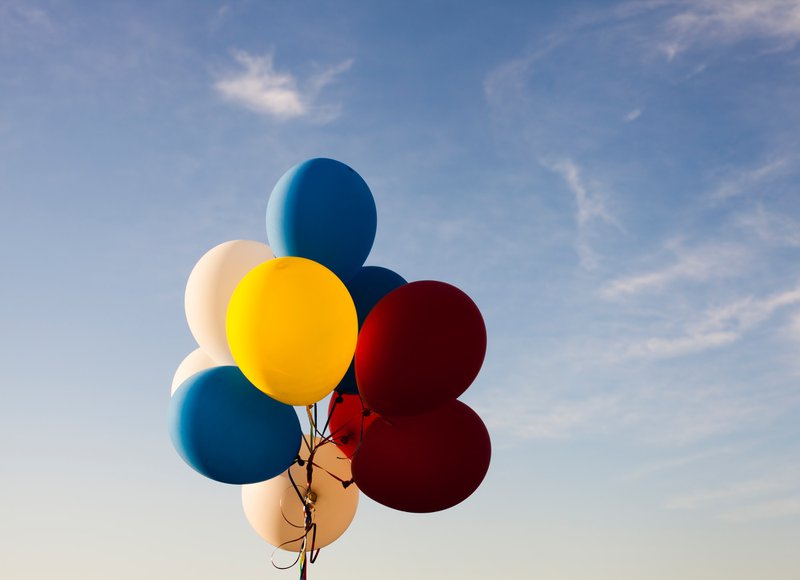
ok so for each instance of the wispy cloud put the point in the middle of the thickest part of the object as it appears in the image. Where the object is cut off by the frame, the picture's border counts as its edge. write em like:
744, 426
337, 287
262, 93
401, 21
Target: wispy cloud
633, 115
24, 26
717, 327
23, 16
723, 22
770, 509
537, 416
664, 465
773, 495
589, 207
682, 345
259, 87
750, 180
777, 229
683, 416
745, 489
695, 264
656, 411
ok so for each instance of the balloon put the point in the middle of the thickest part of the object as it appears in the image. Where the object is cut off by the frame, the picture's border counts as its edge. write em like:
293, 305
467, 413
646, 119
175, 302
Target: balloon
292, 329
367, 288
229, 431
269, 504
421, 346
347, 421
209, 289
424, 463
323, 210
369, 285
196, 361
348, 383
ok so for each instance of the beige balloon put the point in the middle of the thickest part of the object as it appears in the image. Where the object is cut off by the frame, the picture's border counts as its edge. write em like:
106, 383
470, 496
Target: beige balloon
196, 361
210, 287
269, 504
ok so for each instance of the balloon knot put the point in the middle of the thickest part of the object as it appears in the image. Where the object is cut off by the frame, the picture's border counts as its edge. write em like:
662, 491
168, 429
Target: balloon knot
344, 439
346, 484
339, 399
300, 462
367, 412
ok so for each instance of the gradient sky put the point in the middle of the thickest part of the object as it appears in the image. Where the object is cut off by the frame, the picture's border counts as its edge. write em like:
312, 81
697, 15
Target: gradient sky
615, 184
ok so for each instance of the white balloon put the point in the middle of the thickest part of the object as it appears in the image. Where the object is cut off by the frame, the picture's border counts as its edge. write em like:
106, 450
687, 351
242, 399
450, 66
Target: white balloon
196, 361
210, 287
269, 504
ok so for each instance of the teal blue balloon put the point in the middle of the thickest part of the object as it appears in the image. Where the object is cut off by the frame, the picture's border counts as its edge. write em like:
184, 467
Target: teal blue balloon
323, 210
229, 431
367, 287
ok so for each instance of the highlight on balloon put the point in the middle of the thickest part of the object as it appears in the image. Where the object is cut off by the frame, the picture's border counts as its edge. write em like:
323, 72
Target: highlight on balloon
282, 327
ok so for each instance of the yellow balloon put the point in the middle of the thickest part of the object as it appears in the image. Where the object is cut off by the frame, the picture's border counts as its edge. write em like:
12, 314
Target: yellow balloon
292, 329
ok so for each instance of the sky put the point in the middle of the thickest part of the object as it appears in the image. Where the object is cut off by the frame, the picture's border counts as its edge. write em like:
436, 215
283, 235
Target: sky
615, 184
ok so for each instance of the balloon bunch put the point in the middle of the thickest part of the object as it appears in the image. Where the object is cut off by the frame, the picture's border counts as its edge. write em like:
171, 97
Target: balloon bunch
275, 332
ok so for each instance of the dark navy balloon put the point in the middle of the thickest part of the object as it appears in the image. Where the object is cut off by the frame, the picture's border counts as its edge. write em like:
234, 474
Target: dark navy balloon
323, 210
369, 285
367, 288
229, 431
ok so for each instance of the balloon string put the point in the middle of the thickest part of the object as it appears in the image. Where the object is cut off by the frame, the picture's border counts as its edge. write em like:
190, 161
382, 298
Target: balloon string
286, 519
314, 424
364, 413
345, 482
308, 503
296, 487
308, 552
336, 401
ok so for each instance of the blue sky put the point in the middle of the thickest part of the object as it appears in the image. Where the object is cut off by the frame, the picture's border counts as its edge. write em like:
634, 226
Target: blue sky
614, 183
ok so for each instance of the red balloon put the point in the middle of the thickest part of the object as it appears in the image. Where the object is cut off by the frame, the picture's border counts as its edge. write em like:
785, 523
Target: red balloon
348, 422
424, 463
421, 346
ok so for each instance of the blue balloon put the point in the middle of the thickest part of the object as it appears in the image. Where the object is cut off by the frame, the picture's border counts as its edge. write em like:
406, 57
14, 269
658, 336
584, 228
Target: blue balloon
229, 431
323, 210
369, 285
367, 288
348, 384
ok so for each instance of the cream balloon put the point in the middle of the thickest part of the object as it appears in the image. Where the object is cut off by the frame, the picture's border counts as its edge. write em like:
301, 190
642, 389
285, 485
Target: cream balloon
210, 287
269, 504
196, 361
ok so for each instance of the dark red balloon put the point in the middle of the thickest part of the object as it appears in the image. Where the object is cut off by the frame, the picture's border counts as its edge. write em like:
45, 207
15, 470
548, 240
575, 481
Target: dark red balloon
424, 463
421, 346
348, 422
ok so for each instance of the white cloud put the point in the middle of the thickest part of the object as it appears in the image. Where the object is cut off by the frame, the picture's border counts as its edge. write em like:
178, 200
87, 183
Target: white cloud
748, 181
683, 345
775, 508
26, 27
258, 87
658, 467
633, 115
536, 416
698, 264
781, 230
589, 207
724, 22
747, 313
703, 498
717, 327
